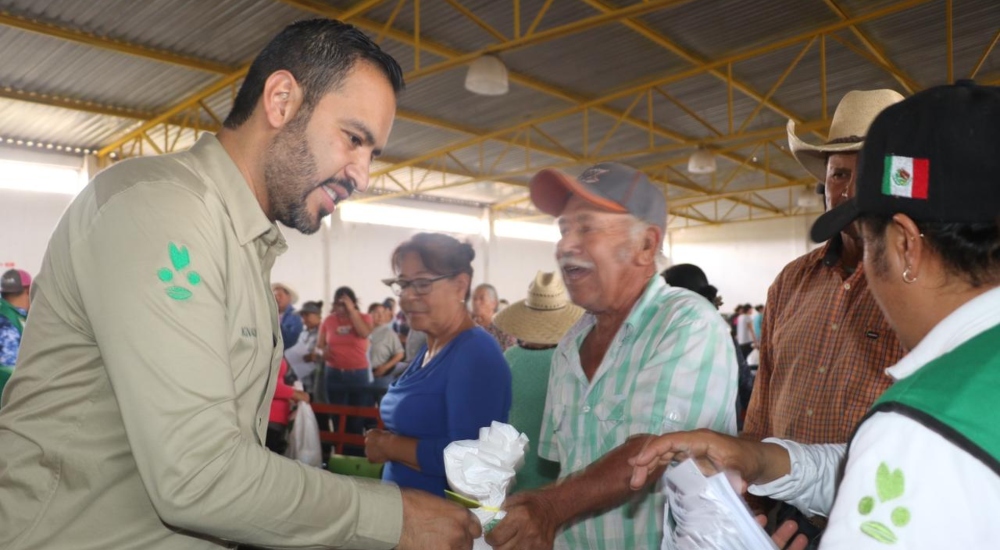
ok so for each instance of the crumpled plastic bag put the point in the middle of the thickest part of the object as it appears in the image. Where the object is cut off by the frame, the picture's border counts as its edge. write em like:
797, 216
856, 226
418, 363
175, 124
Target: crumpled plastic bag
707, 513
483, 470
303, 441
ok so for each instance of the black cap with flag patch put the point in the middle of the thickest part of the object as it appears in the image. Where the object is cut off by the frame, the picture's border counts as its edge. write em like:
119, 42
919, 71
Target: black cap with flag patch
934, 157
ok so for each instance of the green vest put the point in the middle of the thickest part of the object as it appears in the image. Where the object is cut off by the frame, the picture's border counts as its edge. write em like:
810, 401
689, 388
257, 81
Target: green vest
11, 313
956, 396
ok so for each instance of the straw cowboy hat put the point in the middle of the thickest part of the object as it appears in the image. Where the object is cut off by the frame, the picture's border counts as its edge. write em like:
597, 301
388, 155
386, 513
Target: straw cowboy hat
293, 296
544, 316
851, 120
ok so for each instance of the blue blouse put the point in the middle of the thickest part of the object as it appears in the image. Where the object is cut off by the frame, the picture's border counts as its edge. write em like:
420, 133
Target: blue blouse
466, 386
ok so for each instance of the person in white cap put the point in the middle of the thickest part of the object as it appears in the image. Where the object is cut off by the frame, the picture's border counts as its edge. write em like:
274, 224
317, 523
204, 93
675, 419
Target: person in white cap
824, 343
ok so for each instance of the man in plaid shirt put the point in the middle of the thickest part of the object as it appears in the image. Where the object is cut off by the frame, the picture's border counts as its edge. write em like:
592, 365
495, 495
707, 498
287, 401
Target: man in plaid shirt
824, 344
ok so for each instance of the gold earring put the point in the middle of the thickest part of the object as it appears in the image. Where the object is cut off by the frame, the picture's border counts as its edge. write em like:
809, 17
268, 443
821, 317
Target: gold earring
908, 277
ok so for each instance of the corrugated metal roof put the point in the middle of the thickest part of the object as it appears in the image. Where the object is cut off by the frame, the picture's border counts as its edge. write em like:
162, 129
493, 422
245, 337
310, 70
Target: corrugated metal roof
588, 64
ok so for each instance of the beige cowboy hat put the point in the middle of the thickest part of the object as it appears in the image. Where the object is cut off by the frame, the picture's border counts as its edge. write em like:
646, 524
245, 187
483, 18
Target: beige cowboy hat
544, 316
294, 296
852, 118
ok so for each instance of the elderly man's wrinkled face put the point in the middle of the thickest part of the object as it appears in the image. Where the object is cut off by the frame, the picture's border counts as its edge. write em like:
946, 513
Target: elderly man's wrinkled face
597, 255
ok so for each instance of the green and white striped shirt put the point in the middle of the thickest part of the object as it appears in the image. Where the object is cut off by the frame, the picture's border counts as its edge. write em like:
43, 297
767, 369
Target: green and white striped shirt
671, 367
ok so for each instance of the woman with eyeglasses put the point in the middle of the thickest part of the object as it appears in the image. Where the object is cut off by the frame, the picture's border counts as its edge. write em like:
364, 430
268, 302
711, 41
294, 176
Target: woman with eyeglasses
457, 383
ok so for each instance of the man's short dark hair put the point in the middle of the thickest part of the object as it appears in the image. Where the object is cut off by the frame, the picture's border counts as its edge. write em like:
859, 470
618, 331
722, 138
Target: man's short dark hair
319, 53
970, 251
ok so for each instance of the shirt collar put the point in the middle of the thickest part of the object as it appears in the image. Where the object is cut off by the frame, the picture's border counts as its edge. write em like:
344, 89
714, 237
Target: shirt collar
247, 217
972, 318
631, 322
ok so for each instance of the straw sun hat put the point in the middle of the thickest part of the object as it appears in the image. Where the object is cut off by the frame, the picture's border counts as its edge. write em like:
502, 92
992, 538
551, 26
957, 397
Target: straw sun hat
544, 316
852, 118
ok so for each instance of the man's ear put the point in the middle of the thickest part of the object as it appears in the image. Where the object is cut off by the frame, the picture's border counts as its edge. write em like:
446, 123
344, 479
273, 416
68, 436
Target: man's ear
650, 245
281, 99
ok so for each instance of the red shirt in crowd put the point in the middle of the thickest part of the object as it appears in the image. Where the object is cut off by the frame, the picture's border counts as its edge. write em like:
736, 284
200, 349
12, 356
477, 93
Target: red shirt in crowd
345, 348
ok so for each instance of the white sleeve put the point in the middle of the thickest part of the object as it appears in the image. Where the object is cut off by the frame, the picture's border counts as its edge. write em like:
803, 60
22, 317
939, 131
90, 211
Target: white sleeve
812, 483
906, 485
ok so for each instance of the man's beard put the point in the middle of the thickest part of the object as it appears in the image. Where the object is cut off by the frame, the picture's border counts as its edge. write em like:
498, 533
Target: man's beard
288, 172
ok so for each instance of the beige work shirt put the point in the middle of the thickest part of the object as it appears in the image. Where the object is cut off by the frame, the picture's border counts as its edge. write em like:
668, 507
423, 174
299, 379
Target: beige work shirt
136, 415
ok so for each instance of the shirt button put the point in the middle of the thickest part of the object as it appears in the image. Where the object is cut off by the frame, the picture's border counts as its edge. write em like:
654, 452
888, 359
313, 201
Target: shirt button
586, 408
809, 412
847, 286
834, 326
822, 370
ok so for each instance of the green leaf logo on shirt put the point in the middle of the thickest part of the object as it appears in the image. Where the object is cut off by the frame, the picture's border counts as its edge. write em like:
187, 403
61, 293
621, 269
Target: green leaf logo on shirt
889, 485
180, 259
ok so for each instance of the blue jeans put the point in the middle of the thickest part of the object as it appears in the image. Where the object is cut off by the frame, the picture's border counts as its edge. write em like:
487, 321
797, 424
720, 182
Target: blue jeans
348, 387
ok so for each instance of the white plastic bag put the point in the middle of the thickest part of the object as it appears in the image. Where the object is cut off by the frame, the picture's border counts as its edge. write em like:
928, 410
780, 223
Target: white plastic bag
707, 513
483, 469
303, 442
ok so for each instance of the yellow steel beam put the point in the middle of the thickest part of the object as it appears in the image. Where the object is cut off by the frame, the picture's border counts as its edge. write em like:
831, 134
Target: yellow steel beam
777, 84
476, 19
562, 31
597, 103
359, 8
538, 18
904, 80
96, 41
448, 53
72, 104
801, 182
659, 39
178, 108
986, 53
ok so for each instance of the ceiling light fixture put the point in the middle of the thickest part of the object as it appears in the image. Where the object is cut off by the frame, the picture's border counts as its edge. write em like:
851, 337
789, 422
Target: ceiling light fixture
487, 76
702, 161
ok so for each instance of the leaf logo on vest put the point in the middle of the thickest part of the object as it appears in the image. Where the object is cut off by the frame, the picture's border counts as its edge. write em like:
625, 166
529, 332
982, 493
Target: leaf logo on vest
889, 485
180, 259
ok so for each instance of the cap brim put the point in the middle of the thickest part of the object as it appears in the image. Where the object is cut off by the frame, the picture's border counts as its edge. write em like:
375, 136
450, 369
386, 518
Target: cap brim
550, 191
834, 221
813, 157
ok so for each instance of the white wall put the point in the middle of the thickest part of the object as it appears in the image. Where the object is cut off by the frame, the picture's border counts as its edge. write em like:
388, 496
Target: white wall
358, 256
742, 259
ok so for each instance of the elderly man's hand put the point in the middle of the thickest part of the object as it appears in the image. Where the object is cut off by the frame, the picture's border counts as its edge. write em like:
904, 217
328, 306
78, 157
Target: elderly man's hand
530, 523
433, 523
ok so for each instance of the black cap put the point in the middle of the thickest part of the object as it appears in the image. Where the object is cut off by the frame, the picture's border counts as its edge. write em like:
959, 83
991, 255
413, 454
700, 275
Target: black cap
934, 157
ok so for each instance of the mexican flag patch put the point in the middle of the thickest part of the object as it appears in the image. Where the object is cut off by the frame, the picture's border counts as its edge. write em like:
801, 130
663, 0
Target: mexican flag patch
905, 177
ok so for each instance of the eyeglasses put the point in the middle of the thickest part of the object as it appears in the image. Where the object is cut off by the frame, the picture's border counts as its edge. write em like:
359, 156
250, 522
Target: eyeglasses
420, 286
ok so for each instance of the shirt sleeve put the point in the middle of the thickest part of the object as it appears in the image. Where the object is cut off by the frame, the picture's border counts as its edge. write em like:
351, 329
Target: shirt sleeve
478, 391
906, 485
281, 389
812, 483
291, 329
166, 353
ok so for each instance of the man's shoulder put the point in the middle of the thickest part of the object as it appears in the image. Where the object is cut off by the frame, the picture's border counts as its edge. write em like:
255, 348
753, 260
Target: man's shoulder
160, 176
679, 305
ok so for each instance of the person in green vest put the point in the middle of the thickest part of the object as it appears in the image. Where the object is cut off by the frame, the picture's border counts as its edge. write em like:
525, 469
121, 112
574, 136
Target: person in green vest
538, 323
14, 304
923, 467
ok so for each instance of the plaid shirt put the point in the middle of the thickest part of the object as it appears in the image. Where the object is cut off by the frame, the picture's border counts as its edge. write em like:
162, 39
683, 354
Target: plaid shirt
824, 350
671, 367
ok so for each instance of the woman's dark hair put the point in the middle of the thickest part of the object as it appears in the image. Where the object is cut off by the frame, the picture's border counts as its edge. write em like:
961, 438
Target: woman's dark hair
691, 277
345, 291
970, 251
319, 53
441, 254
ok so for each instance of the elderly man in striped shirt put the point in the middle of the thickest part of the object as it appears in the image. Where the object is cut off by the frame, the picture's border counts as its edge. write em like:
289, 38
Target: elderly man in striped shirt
647, 358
